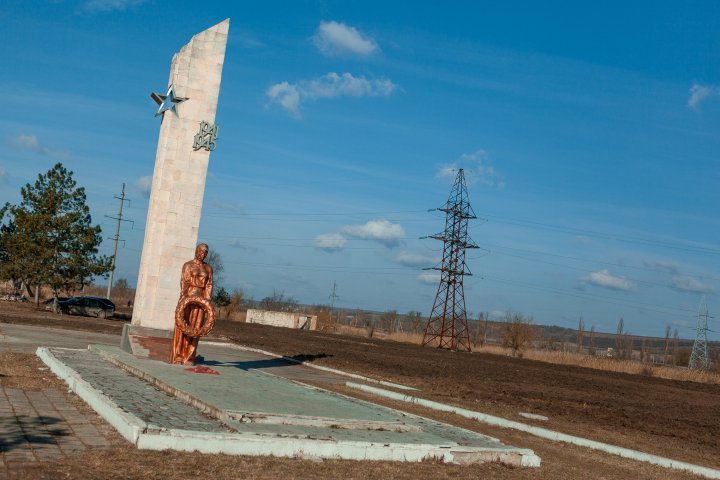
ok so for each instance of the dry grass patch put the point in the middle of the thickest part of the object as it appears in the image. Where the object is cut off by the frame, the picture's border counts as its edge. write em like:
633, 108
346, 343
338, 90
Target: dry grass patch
25, 371
611, 365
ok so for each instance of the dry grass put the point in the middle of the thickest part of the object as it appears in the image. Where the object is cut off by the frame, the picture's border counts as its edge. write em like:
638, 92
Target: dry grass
26, 372
560, 358
610, 364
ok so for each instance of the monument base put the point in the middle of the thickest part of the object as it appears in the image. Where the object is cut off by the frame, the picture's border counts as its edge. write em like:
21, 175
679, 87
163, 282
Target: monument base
145, 342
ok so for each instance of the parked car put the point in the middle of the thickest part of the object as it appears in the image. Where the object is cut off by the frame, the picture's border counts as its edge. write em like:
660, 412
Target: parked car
88, 306
49, 302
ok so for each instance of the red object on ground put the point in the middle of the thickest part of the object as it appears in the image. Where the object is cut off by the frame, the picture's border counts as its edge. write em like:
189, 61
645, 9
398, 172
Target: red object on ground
202, 369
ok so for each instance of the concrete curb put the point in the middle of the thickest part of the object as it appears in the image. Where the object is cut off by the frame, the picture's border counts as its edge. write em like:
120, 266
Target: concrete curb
544, 433
311, 365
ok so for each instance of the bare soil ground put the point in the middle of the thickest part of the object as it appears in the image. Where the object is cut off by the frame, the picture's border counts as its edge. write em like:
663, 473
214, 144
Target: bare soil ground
664, 417
670, 418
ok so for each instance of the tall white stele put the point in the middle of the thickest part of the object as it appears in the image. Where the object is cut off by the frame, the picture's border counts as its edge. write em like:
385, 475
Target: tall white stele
178, 184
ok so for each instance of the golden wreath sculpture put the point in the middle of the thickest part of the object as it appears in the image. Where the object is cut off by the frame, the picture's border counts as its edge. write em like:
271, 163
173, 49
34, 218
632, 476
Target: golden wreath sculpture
182, 325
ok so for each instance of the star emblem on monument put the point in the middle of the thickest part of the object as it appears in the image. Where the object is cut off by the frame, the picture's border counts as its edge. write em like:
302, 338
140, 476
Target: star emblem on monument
168, 101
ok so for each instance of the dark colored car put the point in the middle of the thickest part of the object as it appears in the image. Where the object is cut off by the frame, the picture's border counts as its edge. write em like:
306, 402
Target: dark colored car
88, 306
49, 302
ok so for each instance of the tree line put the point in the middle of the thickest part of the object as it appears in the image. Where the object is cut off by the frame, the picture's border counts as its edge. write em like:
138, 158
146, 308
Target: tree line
48, 239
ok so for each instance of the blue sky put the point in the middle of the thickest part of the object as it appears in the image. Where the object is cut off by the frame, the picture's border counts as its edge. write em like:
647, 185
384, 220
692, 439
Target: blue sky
589, 133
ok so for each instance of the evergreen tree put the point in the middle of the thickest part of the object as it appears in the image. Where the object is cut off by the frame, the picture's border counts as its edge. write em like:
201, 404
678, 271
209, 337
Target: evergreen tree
49, 238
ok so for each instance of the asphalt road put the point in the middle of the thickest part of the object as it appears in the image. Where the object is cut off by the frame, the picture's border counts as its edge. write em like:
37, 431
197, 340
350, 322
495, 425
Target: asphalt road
26, 339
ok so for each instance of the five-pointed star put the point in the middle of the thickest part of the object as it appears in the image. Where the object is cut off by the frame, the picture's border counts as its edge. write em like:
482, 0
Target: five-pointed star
168, 101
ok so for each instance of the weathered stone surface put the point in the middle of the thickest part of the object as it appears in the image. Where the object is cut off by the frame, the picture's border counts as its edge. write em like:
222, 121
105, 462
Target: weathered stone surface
178, 186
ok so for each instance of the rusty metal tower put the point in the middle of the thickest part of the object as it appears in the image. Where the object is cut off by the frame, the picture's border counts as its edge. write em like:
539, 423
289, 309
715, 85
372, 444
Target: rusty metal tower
447, 325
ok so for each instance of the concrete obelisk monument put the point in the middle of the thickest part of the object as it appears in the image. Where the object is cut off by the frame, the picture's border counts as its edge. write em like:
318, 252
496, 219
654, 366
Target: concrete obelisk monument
187, 135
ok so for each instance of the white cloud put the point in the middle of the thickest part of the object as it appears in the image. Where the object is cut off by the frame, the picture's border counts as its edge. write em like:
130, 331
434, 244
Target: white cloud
413, 259
603, 278
330, 242
689, 284
144, 184
110, 5
429, 278
287, 96
381, 231
3, 173
698, 93
478, 170
290, 95
31, 142
337, 39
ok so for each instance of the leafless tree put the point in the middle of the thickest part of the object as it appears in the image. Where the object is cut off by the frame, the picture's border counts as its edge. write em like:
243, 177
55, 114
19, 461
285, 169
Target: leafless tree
279, 302
667, 343
415, 318
518, 332
214, 259
580, 334
480, 331
390, 321
623, 341
237, 298
591, 341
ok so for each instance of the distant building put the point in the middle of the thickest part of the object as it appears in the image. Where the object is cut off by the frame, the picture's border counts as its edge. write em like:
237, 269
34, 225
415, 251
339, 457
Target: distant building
300, 321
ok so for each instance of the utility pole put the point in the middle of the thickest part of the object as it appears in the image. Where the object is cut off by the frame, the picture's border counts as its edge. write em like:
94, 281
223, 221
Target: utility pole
332, 297
116, 238
447, 326
699, 358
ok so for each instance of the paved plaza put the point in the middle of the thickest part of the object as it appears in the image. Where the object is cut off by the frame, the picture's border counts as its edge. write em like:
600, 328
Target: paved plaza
247, 403
45, 425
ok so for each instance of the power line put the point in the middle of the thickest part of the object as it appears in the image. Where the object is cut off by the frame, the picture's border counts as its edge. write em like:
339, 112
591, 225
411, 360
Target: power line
608, 236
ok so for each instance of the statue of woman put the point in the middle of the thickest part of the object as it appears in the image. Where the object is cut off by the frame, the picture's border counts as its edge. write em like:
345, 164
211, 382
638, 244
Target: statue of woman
195, 281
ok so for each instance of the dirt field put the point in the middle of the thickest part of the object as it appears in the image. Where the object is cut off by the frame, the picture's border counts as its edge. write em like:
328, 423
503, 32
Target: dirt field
664, 417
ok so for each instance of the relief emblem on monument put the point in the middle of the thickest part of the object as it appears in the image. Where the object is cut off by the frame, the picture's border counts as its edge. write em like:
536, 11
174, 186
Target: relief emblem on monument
168, 101
206, 137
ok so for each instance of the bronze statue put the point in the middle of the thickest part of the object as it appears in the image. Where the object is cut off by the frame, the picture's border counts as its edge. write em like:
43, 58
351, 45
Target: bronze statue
194, 315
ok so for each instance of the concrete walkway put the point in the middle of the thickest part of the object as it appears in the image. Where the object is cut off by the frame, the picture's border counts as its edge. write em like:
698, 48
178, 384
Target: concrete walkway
255, 405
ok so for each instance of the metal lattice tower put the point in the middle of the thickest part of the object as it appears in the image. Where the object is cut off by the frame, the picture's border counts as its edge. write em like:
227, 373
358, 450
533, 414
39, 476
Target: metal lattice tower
447, 325
700, 358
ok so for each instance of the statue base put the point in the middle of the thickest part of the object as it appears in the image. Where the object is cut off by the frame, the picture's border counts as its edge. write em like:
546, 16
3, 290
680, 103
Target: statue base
145, 342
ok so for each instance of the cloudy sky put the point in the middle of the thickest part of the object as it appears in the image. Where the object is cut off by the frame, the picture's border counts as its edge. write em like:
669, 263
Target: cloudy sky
590, 137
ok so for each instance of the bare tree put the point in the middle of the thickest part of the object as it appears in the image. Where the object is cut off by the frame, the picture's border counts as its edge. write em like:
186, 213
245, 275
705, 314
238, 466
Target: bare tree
480, 332
518, 332
389, 321
279, 302
216, 262
643, 350
237, 298
667, 343
415, 318
591, 341
623, 341
580, 334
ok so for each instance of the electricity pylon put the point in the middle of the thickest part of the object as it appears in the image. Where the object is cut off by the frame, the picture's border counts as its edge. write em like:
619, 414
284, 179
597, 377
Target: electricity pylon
447, 325
700, 358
